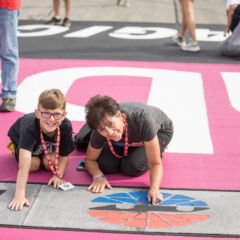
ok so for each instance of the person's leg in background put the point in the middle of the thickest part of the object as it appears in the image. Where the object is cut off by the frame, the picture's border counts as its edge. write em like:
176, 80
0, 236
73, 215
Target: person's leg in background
66, 20
188, 24
180, 37
188, 19
9, 58
231, 45
56, 19
183, 25
56, 8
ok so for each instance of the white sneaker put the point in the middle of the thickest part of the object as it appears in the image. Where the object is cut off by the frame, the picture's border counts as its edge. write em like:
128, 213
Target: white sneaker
191, 47
178, 40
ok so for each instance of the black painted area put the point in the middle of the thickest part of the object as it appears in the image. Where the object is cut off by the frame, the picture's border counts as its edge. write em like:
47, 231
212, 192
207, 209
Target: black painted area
103, 47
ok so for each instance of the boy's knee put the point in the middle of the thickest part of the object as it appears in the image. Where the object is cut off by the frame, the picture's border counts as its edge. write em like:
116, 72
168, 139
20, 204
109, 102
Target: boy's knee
35, 164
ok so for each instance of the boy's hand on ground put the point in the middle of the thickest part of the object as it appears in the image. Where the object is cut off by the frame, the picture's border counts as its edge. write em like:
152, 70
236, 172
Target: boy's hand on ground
99, 184
55, 181
154, 196
17, 204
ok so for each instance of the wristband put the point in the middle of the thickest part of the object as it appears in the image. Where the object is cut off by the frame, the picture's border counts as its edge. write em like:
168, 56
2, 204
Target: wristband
101, 176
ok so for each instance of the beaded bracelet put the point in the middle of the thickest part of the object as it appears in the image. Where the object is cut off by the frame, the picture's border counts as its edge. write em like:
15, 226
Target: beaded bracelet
101, 176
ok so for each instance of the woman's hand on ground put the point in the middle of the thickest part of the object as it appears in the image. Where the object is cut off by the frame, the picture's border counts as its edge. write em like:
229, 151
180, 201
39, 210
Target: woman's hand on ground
154, 196
99, 184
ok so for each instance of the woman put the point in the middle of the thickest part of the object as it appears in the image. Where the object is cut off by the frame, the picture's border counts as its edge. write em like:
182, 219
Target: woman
128, 138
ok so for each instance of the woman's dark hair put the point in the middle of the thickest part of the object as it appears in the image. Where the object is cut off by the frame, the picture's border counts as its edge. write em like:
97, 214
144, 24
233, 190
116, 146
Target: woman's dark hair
99, 108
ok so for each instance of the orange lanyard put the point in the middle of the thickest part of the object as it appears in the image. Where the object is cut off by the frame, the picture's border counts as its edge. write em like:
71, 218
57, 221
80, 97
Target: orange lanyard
54, 167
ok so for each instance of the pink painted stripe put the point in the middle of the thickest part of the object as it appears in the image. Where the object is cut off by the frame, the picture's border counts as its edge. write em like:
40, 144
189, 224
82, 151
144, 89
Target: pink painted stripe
38, 234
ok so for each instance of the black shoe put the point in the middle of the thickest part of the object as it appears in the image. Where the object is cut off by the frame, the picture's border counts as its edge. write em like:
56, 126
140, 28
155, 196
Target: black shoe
54, 21
66, 22
8, 105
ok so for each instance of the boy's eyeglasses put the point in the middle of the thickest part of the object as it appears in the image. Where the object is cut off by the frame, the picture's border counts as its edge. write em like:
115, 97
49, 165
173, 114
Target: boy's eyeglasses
56, 115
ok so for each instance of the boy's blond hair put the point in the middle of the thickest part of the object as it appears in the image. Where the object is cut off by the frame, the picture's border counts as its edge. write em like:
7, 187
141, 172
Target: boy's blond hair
52, 99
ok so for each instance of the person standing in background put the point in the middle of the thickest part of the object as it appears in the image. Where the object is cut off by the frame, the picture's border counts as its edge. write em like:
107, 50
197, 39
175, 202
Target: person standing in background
9, 54
233, 15
56, 19
188, 25
231, 45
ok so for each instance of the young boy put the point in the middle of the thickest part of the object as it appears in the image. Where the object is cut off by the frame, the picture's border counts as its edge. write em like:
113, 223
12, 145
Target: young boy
233, 15
43, 138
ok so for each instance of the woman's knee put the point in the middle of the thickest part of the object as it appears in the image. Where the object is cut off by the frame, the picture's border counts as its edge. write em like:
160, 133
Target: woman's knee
134, 169
108, 168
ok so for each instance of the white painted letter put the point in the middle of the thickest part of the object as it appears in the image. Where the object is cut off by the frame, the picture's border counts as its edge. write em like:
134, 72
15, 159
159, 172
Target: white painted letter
88, 32
40, 30
136, 33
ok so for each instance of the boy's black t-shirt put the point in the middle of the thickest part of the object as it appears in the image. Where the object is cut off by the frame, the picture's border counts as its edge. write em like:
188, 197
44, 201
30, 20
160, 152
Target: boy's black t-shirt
25, 134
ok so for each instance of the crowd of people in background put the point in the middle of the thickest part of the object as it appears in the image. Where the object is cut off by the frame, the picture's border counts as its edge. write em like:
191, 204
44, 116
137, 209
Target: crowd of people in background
188, 25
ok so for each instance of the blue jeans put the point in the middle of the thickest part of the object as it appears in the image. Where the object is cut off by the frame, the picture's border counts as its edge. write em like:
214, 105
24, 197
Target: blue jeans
9, 52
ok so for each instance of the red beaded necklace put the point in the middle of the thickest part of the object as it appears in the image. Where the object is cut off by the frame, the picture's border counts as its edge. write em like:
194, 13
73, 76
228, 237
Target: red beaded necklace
125, 153
54, 167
